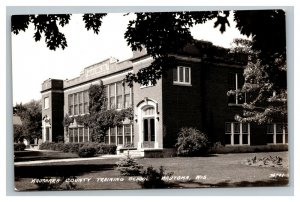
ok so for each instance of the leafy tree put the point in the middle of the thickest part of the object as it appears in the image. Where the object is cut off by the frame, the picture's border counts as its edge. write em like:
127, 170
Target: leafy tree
31, 116
162, 33
266, 99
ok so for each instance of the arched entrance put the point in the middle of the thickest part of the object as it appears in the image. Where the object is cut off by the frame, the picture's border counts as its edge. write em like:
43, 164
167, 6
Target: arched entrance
147, 121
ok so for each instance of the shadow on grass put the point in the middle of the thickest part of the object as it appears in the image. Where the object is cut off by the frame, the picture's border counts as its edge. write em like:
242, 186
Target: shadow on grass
42, 155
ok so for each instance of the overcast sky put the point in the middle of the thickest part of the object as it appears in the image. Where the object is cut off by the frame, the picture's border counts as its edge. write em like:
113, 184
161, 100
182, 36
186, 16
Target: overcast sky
33, 62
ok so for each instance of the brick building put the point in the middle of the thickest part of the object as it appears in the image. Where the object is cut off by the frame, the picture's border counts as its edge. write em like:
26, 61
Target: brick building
193, 94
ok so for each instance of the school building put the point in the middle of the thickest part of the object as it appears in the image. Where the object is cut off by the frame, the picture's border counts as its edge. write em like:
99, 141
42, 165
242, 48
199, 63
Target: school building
192, 94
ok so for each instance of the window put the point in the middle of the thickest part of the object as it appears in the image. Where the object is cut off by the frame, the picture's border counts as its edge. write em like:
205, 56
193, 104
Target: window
112, 98
237, 133
127, 134
46, 102
120, 135
86, 102
236, 82
182, 75
277, 133
78, 103
119, 95
126, 96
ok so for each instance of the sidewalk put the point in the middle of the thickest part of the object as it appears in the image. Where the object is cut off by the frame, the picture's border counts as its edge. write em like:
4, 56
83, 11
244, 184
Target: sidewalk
69, 160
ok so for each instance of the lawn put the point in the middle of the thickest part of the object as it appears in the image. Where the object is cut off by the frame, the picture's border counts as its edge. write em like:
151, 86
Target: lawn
222, 170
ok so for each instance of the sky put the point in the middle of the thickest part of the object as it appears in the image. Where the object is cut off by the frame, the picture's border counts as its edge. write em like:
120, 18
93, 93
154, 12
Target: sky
33, 62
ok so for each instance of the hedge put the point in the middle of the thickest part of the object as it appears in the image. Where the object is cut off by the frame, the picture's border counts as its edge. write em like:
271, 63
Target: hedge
19, 147
100, 148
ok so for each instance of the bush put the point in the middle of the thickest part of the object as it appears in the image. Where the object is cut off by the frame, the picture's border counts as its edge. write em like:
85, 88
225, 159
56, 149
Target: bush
101, 148
87, 151
191, 142
128, 166
19, 147
106, 149
154, 178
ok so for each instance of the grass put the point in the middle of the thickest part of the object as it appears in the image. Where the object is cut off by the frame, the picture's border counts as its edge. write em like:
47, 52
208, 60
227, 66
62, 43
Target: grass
223, 170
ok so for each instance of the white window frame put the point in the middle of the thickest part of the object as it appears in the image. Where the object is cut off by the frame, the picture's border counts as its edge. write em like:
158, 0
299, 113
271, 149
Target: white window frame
46, 106
149, 84
284, 133
236, 96
184, 82
232, 143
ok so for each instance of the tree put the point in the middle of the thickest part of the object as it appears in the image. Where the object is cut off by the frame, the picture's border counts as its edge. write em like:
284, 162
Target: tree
31, 116
162, 33
266, 100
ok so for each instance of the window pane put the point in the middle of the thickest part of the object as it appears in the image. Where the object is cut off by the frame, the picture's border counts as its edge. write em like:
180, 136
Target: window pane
245, 138
175, 75
187, 75
119, 102
86, 134
112, 136
86, 108
236, 139
112, 90
75, 135
245, 128
270, 129
80, 134
270, 138
145, 129
241, 80
112, 102
236, 127
119, 88
70, 99
180, 74
127, 88
81, 109
127, 101
71, 139
228, 139
227, 127
47, 134
279, 128
46, 102
152, 129
279, 138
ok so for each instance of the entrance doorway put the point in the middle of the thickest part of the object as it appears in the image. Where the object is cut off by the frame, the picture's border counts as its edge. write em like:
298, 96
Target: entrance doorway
148, 127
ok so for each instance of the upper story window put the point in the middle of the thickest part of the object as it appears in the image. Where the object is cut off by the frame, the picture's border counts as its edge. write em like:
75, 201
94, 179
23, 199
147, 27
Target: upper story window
182, 75
46, 102
78, 103
119, 96
236, 82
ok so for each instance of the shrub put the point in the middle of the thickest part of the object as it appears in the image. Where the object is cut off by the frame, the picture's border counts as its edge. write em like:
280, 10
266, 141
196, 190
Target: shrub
58, 146
154, 178
19, 147
87, 151
106, 149
191, 142
128, 166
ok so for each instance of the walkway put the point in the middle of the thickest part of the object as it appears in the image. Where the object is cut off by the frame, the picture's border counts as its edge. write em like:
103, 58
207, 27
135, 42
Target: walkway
69, 160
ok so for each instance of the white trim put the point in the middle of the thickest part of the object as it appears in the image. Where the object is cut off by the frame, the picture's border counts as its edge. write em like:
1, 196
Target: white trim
185, 58
183, 83
141, 106
149, 58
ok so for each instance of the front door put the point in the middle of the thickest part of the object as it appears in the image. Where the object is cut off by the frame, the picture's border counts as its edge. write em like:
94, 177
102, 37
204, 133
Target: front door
149, 132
